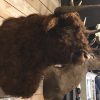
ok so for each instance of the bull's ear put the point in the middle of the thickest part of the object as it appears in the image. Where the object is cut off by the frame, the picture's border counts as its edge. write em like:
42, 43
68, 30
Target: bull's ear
50, 22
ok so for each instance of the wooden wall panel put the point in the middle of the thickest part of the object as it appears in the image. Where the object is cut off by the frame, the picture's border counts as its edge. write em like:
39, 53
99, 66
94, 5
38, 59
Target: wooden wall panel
6, 10
51, 4
16, 8
39, 6
22, 6
1, 20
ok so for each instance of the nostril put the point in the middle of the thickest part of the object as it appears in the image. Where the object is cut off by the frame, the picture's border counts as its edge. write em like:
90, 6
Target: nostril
85, 53
81, 53
79, 56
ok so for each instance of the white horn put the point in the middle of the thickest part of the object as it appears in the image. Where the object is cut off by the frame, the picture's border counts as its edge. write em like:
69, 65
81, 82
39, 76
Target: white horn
80, 3
85, 20
72, 2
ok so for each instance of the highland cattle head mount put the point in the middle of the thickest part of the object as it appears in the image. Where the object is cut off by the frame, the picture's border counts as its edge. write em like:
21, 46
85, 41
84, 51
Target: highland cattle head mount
27, 51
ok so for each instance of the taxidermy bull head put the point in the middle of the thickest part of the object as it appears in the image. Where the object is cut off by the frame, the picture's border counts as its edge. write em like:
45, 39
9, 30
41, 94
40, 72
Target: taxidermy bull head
29, 45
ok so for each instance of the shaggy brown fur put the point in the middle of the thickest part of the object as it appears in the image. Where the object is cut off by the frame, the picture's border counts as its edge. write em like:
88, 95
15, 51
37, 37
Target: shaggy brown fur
28, 45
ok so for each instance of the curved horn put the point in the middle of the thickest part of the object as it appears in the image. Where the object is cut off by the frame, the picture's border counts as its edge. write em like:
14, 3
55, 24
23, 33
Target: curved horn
86, 8
92, 31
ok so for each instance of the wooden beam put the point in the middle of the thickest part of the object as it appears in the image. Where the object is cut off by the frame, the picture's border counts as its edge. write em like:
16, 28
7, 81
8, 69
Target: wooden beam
39, 6
22, 6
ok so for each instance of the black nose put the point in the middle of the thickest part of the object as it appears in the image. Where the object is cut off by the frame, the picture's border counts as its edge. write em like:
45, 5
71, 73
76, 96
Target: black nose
85, 53
79, 56
81, 52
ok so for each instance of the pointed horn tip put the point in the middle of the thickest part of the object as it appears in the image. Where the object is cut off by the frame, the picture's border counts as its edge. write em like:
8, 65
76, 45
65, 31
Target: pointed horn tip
72, 2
